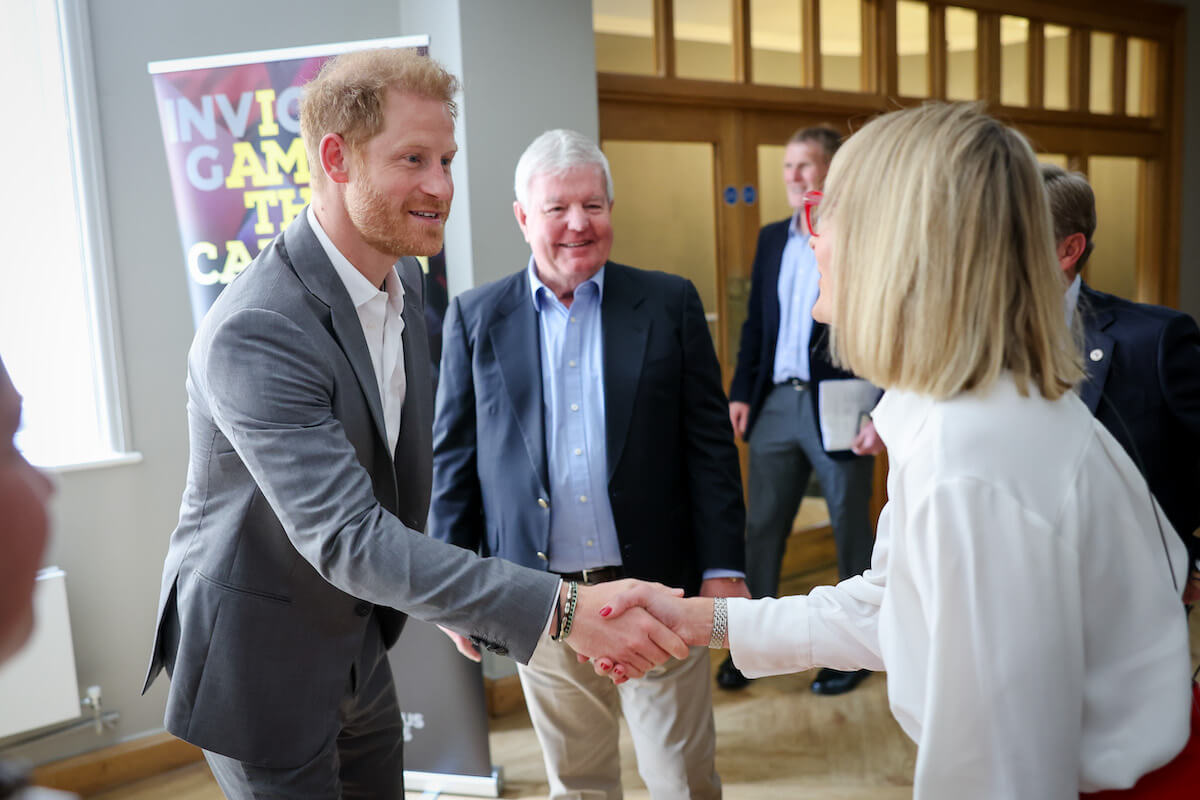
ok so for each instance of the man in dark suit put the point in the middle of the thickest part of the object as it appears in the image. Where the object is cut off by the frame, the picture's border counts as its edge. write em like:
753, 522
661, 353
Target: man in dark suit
299, 548
581, 429
1143, 368
774, 403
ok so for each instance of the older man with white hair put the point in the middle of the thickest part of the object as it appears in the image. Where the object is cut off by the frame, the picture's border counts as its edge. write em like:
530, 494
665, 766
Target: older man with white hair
581, 429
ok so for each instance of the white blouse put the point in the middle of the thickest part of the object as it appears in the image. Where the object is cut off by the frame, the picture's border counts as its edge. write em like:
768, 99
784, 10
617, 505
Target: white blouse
1019, 597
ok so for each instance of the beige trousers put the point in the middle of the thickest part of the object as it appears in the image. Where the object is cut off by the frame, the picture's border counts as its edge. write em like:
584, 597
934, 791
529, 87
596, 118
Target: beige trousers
576, 715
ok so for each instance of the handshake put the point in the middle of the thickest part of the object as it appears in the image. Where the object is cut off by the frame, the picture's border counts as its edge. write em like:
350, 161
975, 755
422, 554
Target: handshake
628, 627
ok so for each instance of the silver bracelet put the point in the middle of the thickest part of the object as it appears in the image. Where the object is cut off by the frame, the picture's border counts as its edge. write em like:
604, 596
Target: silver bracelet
720, 623
569, 613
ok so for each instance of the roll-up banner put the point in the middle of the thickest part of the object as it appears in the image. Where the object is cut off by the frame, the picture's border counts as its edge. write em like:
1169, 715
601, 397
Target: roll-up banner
239, 175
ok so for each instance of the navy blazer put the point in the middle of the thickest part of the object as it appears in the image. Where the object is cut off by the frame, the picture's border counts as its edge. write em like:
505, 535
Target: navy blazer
1143, 384
753, 378
674, 481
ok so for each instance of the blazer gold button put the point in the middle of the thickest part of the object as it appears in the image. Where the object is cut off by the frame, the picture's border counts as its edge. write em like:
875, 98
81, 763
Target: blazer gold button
542, 502
1096, 354
542, 556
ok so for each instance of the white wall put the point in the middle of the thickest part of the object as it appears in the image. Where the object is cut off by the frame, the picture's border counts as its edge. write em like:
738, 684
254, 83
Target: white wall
530, 66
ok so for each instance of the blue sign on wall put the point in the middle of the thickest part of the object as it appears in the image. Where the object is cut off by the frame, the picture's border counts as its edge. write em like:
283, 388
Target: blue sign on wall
749, 195
731, 195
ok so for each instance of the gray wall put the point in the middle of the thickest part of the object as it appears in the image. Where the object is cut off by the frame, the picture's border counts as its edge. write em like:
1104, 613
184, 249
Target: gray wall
112, 525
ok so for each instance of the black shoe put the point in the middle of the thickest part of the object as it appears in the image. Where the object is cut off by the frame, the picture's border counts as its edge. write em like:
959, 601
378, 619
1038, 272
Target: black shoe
834, 681
730, 677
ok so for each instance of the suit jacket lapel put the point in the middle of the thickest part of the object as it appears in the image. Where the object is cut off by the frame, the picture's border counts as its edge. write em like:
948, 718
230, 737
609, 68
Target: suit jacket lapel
413, 445
1097, 351
624, 335
518, 352
308, 259
771, 282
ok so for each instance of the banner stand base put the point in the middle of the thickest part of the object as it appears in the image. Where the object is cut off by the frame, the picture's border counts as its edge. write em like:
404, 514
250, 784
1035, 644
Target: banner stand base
442, 783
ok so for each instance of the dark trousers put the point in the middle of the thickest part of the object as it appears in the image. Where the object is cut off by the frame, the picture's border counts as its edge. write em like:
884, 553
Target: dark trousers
785, 447
362, 758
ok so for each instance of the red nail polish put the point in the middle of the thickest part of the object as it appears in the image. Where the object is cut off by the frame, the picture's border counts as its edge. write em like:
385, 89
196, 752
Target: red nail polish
604, 612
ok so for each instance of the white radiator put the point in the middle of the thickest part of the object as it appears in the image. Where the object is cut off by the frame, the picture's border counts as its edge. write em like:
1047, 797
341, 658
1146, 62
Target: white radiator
38, 686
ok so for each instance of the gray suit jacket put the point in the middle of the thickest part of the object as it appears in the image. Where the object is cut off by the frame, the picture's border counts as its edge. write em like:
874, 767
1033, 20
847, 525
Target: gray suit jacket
299, 533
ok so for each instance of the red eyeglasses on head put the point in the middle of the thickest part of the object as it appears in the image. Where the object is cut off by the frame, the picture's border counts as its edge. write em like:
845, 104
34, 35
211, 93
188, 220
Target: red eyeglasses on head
811, 213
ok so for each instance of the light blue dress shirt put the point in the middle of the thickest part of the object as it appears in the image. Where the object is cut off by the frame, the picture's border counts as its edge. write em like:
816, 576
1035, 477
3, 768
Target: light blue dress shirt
798, 290
583, 533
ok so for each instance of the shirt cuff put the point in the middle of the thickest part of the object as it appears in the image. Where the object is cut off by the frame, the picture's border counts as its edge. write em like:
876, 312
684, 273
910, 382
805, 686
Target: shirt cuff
709, 574
770, 636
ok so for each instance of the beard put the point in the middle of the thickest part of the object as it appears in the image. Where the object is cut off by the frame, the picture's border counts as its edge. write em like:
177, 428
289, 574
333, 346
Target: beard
386, 225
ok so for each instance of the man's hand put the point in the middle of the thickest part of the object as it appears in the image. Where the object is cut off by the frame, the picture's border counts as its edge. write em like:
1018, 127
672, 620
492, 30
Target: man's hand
739, 414
867, 443
691, 618
632, 645
724, 587
463, 644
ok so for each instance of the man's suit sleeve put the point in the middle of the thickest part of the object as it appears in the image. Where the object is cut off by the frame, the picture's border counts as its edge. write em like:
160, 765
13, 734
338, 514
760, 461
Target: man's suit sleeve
456, 513
750, 347
1179, 376
271, 397
711, 459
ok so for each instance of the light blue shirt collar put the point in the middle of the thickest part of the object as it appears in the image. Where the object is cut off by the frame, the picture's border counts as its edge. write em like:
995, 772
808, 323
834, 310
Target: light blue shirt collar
536, 286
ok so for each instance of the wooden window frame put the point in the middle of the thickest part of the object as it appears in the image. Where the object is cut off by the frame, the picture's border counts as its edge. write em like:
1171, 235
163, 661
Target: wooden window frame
1158, 138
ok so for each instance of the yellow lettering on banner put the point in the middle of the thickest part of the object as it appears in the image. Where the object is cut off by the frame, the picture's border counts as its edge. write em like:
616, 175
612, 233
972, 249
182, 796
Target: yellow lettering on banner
247, 165
291, 210
294, 162
206, 250
266, 102
237, 258
264, 242
261, 200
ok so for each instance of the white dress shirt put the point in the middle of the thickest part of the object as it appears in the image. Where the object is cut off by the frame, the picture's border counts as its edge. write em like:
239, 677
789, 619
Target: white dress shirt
1019, 598
379, 313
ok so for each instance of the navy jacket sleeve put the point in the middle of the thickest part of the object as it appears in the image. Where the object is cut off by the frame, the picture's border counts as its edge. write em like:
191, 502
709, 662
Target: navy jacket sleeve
713, 472
456, 512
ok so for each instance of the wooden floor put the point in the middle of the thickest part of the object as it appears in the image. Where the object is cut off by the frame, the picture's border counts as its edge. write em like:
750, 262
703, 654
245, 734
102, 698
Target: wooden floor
775, 739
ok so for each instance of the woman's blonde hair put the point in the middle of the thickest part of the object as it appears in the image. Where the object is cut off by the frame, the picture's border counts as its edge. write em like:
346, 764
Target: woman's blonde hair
944, 265
348, 94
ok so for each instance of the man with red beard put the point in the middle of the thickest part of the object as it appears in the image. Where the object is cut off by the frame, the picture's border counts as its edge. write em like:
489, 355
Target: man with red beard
299, 549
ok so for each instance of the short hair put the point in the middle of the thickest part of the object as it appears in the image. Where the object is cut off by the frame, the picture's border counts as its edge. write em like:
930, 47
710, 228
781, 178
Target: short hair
824, 135
1072, 206
944, 266
347, 96
555, 152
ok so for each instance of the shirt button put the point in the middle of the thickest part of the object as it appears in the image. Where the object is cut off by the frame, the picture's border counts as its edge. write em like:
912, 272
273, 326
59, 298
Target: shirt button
590, 543
571, 363
578, 451
574, 406
542, 502
572, 319
542, 556
583, 498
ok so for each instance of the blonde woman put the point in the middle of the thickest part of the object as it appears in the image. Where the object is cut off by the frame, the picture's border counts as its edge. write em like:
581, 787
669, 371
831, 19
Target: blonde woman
1023, 596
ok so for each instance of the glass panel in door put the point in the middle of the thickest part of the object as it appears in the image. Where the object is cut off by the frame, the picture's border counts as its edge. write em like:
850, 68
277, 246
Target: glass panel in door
664, 212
